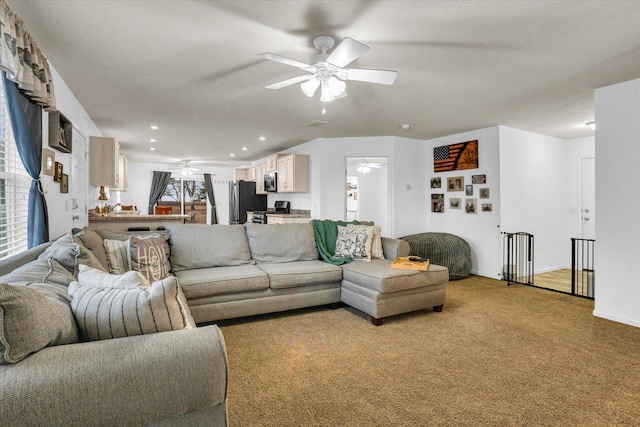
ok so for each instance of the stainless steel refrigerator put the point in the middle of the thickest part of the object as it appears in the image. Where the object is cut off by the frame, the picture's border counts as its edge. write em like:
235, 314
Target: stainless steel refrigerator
243, 198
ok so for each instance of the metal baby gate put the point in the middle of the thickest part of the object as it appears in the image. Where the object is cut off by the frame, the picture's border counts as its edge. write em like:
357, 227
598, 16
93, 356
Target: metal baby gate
517, 257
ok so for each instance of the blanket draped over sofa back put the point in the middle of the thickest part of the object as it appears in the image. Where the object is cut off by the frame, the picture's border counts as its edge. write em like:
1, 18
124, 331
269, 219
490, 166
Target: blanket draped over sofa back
326, 234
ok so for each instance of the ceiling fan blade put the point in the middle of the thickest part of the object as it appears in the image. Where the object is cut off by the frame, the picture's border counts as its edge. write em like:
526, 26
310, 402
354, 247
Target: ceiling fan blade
283, 60
290, 82
346, 52
383, 77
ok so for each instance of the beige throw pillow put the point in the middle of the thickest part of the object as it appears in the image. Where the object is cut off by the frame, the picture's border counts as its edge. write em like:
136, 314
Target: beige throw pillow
117, 256
147, 255
105, 313
376, 240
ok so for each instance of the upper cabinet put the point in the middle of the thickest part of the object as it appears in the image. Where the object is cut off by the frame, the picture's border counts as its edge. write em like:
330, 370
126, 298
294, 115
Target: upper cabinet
104, 162
271, 163
240, 174
60, 131
259, 172
123, 172
251, 174
293, 173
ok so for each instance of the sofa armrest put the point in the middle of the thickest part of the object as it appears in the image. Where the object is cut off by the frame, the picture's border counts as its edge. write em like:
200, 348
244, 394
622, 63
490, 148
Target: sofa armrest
124, 381
394, 248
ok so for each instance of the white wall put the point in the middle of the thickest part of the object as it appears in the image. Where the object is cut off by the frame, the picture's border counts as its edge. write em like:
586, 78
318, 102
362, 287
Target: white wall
59, 204
617, 287
482, 229
141, 175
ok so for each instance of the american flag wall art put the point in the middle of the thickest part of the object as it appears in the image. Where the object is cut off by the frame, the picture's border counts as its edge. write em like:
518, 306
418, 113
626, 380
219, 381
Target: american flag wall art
463, 155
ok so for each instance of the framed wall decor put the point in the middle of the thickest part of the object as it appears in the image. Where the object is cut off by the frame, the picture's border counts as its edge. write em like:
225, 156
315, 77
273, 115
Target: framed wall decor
468, 190
487, 207
484, 193
478, 179
455, 157
437, 203
455, 183
436, 182
455, 203
471, 206
58, 172
64, 183
49, 162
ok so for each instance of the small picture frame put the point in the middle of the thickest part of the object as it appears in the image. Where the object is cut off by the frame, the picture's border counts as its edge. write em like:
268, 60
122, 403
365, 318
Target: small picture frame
437, 203
49, 162
59, 168
455, 183
484, 193
487, 207
468, 190
436, 182
471, 206
64, 183
455, 203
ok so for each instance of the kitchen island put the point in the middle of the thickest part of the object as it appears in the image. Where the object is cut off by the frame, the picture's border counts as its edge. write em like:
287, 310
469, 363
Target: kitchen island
122, 222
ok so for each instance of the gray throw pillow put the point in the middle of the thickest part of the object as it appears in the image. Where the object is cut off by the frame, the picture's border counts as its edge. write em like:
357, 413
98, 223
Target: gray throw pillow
204, 246
33, 317
105, 313
46, 270
282, 242
69, 251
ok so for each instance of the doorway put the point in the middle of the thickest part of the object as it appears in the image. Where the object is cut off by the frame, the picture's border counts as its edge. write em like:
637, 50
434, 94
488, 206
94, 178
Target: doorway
367, 190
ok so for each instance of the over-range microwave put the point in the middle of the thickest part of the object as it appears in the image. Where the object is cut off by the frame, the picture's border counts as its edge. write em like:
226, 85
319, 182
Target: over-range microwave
271, 182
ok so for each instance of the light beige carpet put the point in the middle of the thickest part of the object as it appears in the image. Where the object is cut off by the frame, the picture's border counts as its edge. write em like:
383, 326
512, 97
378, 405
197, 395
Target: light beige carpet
496, 355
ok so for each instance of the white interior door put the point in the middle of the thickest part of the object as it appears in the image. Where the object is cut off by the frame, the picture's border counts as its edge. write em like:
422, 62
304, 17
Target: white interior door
78, 180
588, 197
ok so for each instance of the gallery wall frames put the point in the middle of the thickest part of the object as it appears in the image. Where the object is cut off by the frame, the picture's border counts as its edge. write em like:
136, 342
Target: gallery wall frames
49, 162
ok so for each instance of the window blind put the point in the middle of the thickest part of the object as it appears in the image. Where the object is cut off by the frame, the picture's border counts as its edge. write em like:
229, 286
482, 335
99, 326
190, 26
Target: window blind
14, 189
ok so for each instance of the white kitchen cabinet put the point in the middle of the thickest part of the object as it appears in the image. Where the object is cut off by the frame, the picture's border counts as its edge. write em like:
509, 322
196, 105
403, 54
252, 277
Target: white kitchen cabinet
293, 173
104, 162
271, 163
123, 170
260, 179
251, 174
240, 174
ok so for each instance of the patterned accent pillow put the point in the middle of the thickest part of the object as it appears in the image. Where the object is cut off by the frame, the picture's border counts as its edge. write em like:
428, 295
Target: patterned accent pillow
376, 240
147, 255
354, 243
117, 256
104, 313
33, 317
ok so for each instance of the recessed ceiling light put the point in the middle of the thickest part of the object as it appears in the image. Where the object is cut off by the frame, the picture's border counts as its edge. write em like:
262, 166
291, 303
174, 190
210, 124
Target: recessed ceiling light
154, 127
262, 138
406, 126
152, 140
232, 155
244, 148
152, 148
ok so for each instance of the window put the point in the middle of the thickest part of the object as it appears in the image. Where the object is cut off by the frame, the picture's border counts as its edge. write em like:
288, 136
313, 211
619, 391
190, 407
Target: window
14, 189
186, 196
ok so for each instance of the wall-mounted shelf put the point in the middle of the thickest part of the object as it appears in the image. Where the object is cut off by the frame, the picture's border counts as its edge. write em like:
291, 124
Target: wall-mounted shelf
60, 131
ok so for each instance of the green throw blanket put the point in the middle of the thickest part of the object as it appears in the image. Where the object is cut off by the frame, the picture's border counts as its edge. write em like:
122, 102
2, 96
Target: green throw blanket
326, 232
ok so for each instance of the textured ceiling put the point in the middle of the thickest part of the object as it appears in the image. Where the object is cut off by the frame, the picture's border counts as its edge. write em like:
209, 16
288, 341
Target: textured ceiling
191, 68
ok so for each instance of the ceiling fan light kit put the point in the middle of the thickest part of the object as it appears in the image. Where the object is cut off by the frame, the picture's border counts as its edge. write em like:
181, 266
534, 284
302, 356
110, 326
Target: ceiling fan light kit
327, 70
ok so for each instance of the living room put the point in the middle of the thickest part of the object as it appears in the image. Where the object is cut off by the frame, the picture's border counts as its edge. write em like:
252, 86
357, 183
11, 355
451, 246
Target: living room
533, 176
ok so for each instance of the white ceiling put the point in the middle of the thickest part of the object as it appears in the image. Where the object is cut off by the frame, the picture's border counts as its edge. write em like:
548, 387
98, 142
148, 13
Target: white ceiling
190, 67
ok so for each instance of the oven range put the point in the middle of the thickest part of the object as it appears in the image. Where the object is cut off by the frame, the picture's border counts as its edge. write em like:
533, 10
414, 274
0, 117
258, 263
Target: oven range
259, 217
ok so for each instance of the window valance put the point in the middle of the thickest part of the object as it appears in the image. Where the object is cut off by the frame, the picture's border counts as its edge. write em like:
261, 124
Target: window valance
23, 61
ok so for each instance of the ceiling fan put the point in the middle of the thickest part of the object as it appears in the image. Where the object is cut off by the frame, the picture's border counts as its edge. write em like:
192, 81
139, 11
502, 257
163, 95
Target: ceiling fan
327, 70
365, 167
185, 169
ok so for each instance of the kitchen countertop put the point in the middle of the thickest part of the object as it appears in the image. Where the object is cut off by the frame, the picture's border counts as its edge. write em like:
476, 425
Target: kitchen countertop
136, 217
281, 215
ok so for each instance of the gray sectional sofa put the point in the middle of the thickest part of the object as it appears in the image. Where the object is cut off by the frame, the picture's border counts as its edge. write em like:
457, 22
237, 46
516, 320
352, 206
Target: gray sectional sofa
180, 377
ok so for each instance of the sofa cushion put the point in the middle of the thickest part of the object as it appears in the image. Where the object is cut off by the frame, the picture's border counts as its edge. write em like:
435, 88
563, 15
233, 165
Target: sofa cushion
46, 270
93, 241
33, 317
380, 277
204, 282
69, 251
301, 273
282, 242
105, 313
204, 246
117, 255
147, 255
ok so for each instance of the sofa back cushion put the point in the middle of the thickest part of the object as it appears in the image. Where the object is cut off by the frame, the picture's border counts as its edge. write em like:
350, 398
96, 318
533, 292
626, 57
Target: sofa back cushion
204, 246
282, 242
